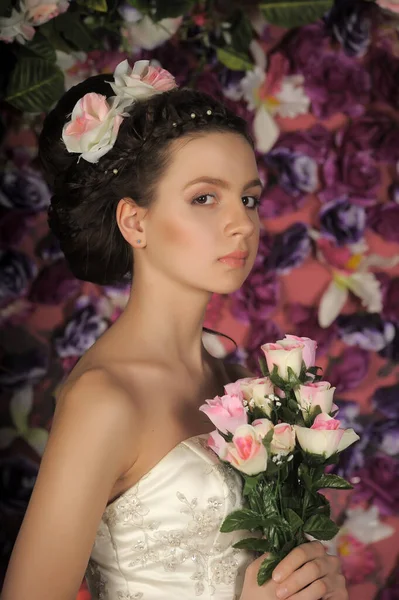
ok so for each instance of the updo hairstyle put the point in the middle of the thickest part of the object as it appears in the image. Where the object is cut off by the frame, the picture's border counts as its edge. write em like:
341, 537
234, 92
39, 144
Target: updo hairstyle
82, 214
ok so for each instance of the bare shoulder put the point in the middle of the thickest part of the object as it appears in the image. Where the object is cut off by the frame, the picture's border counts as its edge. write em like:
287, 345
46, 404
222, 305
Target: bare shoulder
236, 371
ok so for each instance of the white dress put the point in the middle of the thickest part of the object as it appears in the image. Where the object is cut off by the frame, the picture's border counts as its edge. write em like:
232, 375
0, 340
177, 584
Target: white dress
160, 540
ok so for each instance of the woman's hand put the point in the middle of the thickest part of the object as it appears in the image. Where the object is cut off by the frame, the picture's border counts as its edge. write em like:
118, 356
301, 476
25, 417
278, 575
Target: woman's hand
306, 573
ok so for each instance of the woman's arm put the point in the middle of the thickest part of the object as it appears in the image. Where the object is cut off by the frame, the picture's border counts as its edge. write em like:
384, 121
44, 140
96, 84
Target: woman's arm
88, 448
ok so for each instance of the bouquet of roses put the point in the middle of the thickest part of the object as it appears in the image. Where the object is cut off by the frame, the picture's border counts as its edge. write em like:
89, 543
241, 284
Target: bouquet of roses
280, 433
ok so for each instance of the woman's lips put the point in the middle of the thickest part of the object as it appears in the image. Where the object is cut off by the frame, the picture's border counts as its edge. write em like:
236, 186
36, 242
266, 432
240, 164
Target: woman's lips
235, 259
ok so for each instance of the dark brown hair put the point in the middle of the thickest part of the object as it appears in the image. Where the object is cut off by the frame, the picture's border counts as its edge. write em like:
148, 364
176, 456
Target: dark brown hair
82, 214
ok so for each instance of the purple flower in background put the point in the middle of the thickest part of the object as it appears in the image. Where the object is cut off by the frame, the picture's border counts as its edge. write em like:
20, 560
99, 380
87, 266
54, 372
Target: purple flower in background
305, 46
28, 366
49, 248
393, 191
290, 248
355, 175
80, 332
297, 172
349, 370
383, 67
391, 351
342, 221
261, 332
54, 284
384, 220
315, 142
24, 189
365, 330
17, 477
14, 225
385, 400
391, 299
385, 437
375, 131
337, 84
258, 296
265, 245
378, 483
16, 271
276, 202
354, 457
306, 324
349, 22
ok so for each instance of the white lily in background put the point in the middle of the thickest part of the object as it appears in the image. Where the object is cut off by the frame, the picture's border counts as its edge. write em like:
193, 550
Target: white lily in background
141, 31
269, 91
362, 524
16, 27
74, 66
349, 266
20, 408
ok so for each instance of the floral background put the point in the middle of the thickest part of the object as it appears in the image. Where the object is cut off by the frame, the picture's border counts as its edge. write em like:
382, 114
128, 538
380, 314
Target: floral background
321, 92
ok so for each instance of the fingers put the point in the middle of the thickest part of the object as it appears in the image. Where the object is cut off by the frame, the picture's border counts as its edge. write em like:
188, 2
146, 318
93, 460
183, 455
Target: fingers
302, 577
297, 558
317, 590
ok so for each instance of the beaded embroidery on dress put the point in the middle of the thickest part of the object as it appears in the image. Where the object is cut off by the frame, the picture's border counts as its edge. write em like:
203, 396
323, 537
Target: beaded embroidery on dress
160, 539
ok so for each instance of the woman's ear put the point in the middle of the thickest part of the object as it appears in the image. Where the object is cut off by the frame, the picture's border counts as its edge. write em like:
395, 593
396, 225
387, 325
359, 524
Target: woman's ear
130, 217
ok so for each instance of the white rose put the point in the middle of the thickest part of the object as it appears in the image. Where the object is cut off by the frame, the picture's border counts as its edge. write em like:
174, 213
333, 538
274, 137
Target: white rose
284, 354
315, 394
325, 437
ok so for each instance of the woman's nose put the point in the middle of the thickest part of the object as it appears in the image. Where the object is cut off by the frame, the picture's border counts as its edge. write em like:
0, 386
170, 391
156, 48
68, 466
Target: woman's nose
239, 220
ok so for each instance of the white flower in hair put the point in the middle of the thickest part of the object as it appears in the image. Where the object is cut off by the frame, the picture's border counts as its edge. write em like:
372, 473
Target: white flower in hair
93, 127
141, 81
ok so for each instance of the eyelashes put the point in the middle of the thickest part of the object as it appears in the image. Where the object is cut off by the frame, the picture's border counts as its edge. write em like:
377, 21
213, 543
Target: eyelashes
201, 200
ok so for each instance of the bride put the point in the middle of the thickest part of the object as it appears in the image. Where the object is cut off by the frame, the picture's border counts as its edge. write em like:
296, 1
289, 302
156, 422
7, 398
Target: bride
160, 185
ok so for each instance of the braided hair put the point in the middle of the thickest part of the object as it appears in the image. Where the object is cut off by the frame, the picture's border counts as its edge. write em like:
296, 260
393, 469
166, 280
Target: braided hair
82, 213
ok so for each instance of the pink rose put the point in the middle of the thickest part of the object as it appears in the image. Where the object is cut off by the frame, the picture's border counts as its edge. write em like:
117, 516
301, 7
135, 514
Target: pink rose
283, 441
325, 437
246, 452
217, 443
309, 349
141, 81
284, 354
392, 5
93, 127
39, 11
262, 427
254, 391
226, 412
315, 394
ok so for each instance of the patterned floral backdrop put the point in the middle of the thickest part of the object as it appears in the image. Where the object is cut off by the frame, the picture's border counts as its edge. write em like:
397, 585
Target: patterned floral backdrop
322, 95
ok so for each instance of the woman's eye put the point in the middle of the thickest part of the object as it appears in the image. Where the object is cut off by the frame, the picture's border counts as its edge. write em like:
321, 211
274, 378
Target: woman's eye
202, 200
250, 201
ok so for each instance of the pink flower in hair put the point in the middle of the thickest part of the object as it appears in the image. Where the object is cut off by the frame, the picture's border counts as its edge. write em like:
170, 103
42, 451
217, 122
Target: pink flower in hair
93, 127
141, 81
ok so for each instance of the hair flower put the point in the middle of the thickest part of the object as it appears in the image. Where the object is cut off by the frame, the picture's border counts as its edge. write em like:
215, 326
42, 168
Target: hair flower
141, 81
93, 127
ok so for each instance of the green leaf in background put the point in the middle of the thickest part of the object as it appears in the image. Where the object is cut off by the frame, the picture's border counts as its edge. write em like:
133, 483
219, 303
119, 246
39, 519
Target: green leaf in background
6, 8
241, 33
293, 519
241, 519
35, 85
253, 544
266, 569
40, 46
234, 61
332, 481
250, 484
293, 13
96, 5
70, 27
172, 8
321, 527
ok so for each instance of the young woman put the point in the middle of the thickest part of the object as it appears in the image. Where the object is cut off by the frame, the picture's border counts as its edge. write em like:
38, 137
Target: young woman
159, 184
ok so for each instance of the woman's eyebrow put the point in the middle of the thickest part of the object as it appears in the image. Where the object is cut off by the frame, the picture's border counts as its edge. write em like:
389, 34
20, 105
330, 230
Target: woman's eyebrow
222, 183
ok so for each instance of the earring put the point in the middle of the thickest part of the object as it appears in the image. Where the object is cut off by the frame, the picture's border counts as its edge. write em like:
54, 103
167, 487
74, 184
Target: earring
138, 241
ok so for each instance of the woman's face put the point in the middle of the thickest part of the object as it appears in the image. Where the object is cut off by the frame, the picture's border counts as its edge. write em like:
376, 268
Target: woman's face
206, 209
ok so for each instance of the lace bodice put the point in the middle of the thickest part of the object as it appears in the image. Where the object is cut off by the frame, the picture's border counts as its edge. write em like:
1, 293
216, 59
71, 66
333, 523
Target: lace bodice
160, 540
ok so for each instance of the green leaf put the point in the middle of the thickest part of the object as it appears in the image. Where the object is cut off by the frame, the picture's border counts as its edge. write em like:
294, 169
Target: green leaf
241, 33
304, 474
35, 85
241, 519
96, 5
254, 544
321, 527
293, 519
71, 28
332, 481
6, 8
263, 366
250, 484
233, 60
293, 13
40, 47
172, 8
267, 440
266, 569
